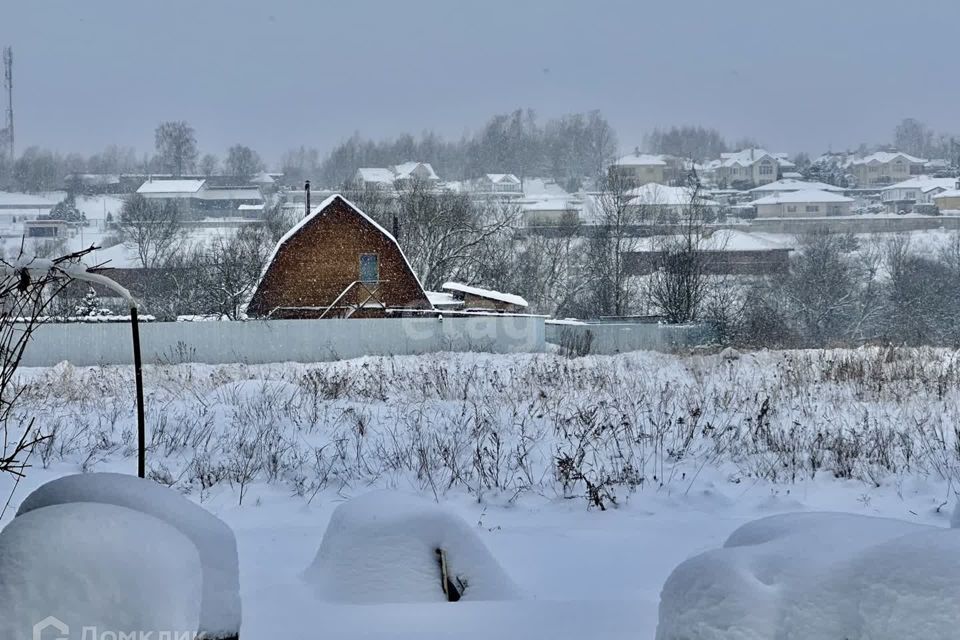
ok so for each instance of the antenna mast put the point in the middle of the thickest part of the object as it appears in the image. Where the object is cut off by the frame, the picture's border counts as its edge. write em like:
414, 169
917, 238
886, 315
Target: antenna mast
8, 83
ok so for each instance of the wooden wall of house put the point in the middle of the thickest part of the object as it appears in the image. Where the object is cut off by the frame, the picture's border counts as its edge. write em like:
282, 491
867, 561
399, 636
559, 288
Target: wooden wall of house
322, 259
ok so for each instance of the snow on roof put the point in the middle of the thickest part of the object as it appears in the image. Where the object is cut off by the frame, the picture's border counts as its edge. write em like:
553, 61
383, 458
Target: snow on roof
953, 193
737, 240
171, 186
790, 184
542, 188
654, 193
25, 200
924, 183
406, 169
317, 211
262, 178
503, 177
443, 299
250, 207
807, 195
507, 298
640, 160
376, 174
883, 157
746, 157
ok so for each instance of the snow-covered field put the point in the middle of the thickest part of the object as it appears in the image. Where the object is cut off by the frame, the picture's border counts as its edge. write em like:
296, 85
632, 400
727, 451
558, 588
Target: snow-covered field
589, 480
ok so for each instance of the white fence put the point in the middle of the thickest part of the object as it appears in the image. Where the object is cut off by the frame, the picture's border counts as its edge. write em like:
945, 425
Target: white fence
610, 338
257, 342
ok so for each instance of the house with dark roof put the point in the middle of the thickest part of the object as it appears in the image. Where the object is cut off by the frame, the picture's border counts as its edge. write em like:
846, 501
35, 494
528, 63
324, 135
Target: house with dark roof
337, 262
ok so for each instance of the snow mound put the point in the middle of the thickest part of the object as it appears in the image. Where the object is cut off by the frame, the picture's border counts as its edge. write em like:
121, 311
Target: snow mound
213, 539
382, 547
97, 565
768, 581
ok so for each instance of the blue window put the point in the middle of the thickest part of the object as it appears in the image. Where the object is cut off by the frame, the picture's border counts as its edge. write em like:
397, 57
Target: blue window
369, 267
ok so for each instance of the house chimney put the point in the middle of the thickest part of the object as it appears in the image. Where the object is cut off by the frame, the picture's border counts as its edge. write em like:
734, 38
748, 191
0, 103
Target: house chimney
396, 227
306, 189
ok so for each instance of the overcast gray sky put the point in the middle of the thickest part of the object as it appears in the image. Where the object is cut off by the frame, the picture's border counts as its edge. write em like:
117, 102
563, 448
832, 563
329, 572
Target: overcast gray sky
799, 76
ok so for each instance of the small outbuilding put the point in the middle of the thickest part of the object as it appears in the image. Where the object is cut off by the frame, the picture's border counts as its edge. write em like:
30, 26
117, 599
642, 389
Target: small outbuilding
337, 263
475, 298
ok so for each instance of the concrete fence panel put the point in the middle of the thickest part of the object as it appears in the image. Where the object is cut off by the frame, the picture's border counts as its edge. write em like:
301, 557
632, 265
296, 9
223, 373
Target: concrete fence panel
611, 338
258, 342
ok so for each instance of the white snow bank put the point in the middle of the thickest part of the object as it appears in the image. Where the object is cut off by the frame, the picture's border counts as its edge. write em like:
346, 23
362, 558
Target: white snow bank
214, 540
382, 547
97, 565
768, 581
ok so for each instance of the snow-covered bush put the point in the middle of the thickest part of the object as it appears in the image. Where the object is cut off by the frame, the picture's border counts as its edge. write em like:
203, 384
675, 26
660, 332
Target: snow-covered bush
97, 565
384, 547
818, 575
213, 539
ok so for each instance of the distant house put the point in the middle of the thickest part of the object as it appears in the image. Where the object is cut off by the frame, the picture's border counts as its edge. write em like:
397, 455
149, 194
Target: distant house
803, 204
478, 299
337, 262
788, 185
661, 199
499, 183
17, 207
948, 200
398, 176
93, 183
640, 168
885, 167
199, 198
550, 212
751, 166
903, 196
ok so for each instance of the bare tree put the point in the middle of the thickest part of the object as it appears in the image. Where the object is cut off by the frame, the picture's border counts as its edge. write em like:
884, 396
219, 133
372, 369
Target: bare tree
614, 235
209, 165
154, 227
242, 162
176, 147
680, 283
443, 233
226, 271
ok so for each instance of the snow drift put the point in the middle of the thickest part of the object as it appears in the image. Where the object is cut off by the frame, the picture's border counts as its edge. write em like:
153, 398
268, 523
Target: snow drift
382, 547
97, 565
818, 575
213, 539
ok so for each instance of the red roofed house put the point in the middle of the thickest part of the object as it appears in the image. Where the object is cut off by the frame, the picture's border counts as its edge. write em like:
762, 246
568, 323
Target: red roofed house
337, 263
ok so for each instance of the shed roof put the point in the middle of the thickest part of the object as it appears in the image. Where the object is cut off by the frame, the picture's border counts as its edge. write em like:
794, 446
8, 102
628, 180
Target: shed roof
171, 186
490, 294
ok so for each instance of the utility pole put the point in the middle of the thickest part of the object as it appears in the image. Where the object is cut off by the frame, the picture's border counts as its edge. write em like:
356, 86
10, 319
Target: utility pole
8, 83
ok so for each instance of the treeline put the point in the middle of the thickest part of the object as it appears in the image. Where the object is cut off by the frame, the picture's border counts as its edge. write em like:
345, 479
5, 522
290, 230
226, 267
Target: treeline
844, 290
176, 153
567, 149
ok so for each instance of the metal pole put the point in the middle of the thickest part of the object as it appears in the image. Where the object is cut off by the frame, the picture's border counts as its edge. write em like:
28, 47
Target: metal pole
138, 376
306, 189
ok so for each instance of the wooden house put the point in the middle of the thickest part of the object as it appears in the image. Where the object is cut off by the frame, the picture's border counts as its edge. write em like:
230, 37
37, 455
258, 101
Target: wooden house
337, 263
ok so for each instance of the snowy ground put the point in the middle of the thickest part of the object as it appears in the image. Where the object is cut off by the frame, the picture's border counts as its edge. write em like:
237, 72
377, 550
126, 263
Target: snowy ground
584, 572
